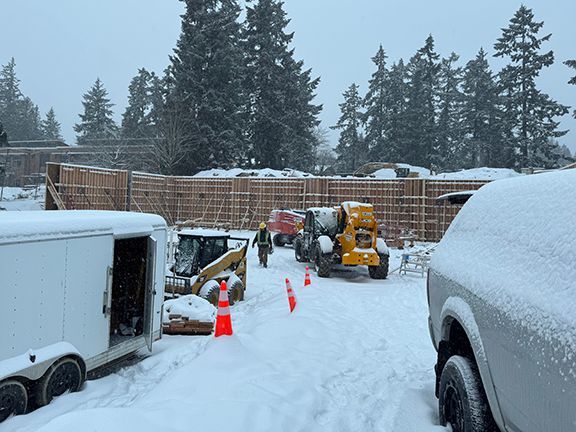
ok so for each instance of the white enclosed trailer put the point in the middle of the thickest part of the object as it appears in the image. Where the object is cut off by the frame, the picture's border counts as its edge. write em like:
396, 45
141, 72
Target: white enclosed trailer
78, 289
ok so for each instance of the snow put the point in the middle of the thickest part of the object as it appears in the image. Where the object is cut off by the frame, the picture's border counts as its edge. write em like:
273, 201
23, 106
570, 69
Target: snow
239, 172
519, 235
19, 199
189, 306
390, 173
202, 232
34, 225
455, 194
326, 244
484, 173
354, 356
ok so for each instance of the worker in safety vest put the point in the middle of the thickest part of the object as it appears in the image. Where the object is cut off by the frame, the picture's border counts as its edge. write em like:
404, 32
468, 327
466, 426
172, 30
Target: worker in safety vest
264, 242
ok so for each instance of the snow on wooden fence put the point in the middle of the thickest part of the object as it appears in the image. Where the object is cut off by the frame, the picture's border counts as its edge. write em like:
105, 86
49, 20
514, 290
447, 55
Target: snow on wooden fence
243, 202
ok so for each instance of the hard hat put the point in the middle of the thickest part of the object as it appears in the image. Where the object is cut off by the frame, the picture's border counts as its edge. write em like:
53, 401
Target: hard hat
262, 225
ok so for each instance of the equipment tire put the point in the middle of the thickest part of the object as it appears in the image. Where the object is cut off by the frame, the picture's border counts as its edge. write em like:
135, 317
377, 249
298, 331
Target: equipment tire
322, 262
299, 249
210, 291
235, 292
13, 399
380, 271
278, 240
462, 401
64, 375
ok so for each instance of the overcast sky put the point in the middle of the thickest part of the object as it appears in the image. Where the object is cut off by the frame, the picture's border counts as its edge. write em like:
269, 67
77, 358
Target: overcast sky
62, 46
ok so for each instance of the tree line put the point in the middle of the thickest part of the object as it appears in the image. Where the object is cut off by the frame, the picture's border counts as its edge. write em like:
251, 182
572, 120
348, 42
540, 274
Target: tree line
437, 113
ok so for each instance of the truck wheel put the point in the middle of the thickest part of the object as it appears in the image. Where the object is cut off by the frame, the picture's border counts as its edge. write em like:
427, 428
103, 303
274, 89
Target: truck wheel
63, 376
278, 240
322, 263
299, 249
462, 401
210, 291
380, 271
235, 292
13, 399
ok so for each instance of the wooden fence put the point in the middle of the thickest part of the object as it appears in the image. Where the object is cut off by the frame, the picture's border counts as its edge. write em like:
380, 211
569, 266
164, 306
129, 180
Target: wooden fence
243, 202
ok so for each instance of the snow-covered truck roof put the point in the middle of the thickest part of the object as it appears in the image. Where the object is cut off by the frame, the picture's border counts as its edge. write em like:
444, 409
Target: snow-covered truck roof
201, 232
26, 226
516, 240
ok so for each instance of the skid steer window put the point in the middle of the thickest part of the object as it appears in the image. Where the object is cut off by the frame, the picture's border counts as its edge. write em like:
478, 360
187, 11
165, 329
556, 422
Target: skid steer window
214, 248
188, 256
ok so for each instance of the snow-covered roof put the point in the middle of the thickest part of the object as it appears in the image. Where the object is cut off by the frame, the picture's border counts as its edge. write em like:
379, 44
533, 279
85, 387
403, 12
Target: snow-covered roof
44, 225
201, 232
483, 173
513, 245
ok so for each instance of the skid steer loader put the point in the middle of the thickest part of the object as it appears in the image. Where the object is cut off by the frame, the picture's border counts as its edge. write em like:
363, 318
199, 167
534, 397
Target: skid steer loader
205, 258
346, 235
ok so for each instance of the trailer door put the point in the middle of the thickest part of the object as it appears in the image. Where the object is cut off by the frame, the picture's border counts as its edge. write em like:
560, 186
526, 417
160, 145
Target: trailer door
150, 292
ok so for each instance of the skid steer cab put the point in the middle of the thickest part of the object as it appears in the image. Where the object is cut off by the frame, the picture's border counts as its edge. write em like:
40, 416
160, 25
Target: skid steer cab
346, 235
203, 259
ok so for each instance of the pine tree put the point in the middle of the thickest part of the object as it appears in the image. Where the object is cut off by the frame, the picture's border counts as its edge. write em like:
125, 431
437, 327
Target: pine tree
51, 127
377, 105
282, 116
97, 125
450, 126
572, 64
397, 97
208, 70
484, 143
531, 113
135, 120
422, 136
352, 148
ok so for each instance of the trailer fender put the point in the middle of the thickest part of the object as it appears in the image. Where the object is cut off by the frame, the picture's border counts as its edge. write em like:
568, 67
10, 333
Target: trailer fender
381, 247
33, 364
326, 244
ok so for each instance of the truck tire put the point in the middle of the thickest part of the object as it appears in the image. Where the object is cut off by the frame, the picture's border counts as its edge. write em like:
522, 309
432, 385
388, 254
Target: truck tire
210, 291
299, 249
279, 240
13, 399
235, 292
380, 271
63, 376
322, 262
462, 401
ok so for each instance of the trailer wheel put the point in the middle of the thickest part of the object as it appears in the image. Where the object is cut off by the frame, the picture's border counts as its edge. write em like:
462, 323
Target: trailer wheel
210, 291
278, 240
63, 376
13, 399
380, 271
299, 249
235, 292
322, 262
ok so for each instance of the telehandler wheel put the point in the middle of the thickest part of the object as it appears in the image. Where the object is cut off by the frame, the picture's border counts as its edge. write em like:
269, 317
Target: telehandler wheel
322, 263
298, 249
13, 399
63, 376
235, 292
278, 240
380, 271
210, 291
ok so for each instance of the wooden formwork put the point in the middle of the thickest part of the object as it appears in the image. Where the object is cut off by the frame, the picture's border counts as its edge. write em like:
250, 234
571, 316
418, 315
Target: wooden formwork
243, 202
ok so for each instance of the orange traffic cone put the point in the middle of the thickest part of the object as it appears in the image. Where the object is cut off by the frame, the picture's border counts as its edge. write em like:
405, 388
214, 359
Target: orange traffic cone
307, 277
223, 320
291, 295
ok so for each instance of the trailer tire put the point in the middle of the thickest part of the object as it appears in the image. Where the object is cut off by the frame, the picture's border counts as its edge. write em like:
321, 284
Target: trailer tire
380, 271
13, 399
299, 249
235, 292
210, 291
63, 376
322, 262
279, 240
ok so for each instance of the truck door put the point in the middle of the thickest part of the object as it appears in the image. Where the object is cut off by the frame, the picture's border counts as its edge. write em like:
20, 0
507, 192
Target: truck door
150, 292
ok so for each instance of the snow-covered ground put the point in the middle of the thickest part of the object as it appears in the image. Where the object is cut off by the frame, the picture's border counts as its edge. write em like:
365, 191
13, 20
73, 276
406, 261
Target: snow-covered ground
354, 356
18, 199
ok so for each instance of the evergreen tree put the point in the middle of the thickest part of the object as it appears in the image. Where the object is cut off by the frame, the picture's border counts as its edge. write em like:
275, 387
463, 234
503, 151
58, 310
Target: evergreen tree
135, 120
572, 64
377, 105
450, 125
97, 125
51, 127
422, 137
530, 112
3, 136
352, 148
282, 116
484, 143
396, 101
208, 70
